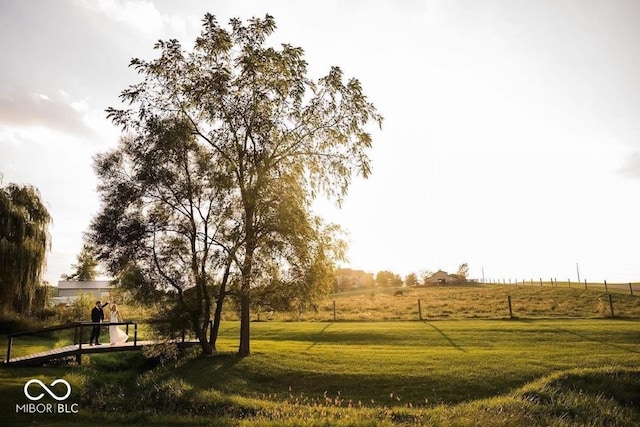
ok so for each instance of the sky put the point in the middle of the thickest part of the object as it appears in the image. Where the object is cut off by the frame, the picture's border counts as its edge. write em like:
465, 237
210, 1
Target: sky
511, 138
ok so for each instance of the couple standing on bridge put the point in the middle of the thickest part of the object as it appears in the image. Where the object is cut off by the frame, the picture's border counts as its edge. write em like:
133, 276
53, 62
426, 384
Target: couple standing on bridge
116, 335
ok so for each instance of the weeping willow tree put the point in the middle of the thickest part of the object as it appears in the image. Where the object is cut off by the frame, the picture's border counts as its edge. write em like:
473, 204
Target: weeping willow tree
24, 241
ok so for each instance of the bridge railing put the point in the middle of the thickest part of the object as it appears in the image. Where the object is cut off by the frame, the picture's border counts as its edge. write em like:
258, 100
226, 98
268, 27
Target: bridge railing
78, 328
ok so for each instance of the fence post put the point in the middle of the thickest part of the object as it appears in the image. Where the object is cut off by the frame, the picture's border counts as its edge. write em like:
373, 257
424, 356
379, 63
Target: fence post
611, 305
334, 310
541, 282
419, 310
510, 311
135, 334
630, 289
585, 284
606, 288
569, 280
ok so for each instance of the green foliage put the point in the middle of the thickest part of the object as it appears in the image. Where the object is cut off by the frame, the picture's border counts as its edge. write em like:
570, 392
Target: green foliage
387, 278
86, 267
24, 241
411, 279
79, 310
12, 323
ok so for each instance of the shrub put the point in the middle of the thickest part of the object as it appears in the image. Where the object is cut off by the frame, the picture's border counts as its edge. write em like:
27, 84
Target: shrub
79, 310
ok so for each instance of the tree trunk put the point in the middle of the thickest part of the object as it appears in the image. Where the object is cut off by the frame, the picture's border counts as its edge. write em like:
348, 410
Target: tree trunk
245, 321
245, 301
217, 316
204, 343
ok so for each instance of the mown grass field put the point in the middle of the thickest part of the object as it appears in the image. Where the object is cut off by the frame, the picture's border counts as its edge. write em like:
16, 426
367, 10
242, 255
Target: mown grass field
435, 372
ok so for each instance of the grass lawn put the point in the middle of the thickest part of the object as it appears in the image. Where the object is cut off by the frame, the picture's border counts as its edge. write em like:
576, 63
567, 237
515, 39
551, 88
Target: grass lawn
449, 372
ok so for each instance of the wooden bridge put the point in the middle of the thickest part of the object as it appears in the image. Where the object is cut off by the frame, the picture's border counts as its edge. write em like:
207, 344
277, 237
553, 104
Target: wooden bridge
78, 348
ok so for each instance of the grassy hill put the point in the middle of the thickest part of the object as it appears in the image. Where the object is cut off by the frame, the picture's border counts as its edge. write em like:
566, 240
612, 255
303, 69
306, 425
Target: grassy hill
473, 302
450, 372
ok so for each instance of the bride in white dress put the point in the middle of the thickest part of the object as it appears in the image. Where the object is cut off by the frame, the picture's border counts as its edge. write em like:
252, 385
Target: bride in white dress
116, 335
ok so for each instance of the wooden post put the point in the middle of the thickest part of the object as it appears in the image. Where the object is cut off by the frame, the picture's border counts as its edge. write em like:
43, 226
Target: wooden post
630, 289
569, 280
419, 310
541, 282
80, 340
9, 349
334, 310
611, 305
79, 353
135, 334
606, 288
510, 311
585, 284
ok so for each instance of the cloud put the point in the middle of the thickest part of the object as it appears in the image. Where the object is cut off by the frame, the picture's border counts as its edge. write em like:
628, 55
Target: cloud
38, 110
142, 16
632, 168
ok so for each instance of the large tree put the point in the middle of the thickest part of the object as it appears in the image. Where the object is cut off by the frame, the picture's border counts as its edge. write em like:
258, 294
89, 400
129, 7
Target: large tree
274, 137
24, 242
86, 266
166, 228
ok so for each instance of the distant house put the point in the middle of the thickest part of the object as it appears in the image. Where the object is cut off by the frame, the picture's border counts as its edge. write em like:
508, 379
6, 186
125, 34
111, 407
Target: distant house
69, 290
442, 277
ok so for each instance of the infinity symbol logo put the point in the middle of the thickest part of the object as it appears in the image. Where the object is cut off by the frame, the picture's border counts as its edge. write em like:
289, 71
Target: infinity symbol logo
47, 389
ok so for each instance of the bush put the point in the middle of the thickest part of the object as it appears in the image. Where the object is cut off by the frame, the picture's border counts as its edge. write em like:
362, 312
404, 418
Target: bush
79, 310
11, 323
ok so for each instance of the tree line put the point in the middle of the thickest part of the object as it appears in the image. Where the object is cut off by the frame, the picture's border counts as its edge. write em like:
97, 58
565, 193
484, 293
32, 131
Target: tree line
348, 278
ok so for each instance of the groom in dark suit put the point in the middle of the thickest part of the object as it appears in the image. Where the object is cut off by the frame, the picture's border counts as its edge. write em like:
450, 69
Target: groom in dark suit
97, 316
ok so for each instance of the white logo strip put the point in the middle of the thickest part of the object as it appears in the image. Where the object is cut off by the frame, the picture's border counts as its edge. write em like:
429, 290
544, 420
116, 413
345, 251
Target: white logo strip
47, 389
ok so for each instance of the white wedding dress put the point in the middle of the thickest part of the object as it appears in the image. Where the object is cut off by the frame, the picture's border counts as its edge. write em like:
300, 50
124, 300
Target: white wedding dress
116, 335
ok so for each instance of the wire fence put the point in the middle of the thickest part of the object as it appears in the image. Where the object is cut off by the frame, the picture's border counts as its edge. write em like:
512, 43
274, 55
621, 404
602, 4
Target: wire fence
475, 301
630, 287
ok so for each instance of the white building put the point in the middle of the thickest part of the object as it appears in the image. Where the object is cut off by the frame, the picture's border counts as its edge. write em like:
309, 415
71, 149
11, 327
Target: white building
69, 290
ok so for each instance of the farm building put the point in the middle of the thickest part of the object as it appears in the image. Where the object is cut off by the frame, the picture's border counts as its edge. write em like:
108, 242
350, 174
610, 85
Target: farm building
441, 277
